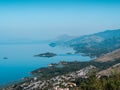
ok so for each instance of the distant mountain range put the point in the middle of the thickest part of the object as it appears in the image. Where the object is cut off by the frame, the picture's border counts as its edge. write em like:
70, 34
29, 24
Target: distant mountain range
94, 44
60, 40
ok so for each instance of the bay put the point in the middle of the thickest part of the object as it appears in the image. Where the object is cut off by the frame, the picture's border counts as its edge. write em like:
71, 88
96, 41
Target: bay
21, 59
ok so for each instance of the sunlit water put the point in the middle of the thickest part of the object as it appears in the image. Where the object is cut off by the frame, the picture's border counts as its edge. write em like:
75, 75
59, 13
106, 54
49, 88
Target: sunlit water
21, 61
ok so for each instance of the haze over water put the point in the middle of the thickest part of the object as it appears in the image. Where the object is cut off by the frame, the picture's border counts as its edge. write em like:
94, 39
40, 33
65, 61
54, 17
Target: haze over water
22, 20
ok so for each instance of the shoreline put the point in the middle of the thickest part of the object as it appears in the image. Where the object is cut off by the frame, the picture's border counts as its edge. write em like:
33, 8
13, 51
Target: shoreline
32, 75
43, 74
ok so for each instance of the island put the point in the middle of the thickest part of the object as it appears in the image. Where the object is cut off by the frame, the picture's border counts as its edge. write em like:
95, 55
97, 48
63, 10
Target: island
47, 54
69, 53
5, 58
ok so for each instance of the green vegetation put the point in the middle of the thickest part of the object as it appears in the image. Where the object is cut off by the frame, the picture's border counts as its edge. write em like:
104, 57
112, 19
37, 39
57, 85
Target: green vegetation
102, 83
50, 72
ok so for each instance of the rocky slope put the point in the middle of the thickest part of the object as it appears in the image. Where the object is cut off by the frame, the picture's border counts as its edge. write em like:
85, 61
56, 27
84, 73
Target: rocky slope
109, 56
110, 71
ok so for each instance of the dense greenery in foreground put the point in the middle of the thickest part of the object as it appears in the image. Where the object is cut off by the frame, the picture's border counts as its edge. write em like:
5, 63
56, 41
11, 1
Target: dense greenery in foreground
95, 83
49, 72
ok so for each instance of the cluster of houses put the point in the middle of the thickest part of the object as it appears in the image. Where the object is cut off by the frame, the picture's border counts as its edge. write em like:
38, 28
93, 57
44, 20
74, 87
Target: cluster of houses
61, 82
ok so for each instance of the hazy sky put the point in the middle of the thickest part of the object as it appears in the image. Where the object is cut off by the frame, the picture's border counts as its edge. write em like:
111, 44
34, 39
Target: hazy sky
46, 19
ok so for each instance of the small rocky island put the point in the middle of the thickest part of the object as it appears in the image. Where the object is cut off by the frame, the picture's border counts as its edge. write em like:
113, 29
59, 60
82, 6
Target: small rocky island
5, 58
47, 54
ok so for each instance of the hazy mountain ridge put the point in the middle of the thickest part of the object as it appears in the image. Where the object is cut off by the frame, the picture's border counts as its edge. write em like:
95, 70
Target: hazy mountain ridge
97, 37
61, 39
112, 70
103, 42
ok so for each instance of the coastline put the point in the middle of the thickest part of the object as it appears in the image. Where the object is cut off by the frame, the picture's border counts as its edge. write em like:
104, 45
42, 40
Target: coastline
43, 74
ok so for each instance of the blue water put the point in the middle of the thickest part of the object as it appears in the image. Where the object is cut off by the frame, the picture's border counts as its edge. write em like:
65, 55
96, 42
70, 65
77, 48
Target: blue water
21, 61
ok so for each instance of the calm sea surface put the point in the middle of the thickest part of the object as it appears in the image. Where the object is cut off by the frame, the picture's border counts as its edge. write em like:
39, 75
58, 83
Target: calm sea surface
21, 61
